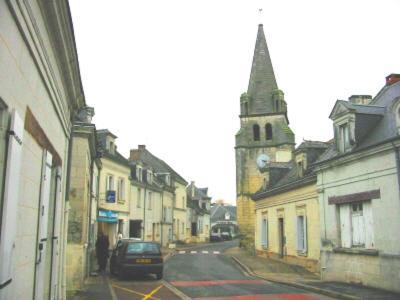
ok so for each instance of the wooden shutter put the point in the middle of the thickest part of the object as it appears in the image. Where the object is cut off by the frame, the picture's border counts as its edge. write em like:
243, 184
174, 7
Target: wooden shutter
10, 206
369, 225
305, 234
263, 232
56, 236
345, 225
43, 221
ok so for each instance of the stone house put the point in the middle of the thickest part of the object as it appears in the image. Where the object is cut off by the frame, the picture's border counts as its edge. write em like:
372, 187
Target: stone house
40, 91
287, 210
358, 185
171, 206
114, 189
198, 216
83, 198
264, 130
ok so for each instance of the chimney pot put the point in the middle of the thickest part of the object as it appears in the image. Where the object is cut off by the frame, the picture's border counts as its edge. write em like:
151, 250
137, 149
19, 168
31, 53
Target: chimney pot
142, 147
392, 78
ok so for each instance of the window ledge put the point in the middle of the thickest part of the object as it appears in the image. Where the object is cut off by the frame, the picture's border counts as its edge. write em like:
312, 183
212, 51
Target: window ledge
362, 251
302, 253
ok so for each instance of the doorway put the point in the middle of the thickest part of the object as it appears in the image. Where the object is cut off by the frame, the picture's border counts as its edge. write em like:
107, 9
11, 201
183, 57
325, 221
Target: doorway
135, 228
282, 241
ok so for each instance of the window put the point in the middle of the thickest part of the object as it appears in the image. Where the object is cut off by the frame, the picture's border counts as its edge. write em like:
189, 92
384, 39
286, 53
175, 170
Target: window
301, 234
139, 174
121, 189
246, 108
264, 232
167, 179
183, 202
149, 200
356, 225
300, 169
344, 137
256, 132
183, 228
149, 177
110, 183
268, 131
139, 196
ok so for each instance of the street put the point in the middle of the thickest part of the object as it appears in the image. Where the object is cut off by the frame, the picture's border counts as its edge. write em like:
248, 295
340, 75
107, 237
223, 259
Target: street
204, 272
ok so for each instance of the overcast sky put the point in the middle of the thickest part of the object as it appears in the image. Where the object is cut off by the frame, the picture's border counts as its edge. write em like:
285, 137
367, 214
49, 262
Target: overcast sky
169, 74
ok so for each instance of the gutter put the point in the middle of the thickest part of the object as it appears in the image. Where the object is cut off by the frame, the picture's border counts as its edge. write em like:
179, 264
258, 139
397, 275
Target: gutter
292, 185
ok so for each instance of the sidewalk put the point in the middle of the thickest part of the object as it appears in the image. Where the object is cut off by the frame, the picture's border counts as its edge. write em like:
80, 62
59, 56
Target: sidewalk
281, 272
97, 287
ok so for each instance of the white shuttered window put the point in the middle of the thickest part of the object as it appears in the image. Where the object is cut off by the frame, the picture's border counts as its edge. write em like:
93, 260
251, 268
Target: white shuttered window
264, 232
301, 230
10, 206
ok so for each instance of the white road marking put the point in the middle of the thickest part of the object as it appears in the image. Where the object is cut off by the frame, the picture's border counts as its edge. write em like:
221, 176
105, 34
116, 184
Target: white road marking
216, 252
193, 252
182, 252
205, 252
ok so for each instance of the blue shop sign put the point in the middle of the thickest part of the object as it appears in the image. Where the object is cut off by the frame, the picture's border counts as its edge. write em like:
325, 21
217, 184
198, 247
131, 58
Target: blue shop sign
110, 197
107, 216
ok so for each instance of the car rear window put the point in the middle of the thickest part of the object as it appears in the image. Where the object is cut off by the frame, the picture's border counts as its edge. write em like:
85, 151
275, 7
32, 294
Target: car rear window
143, 248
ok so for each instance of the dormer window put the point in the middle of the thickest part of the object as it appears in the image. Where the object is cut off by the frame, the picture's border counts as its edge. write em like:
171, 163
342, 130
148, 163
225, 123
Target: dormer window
344, 138
149, 177
300, 169
167, 179
139, 174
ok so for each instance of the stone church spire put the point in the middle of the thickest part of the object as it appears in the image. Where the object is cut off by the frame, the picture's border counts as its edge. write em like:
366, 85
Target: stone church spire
262, 84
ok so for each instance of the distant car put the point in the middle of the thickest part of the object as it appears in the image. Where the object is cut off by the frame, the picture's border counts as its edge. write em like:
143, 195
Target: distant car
226, 236
131, 256
215, 237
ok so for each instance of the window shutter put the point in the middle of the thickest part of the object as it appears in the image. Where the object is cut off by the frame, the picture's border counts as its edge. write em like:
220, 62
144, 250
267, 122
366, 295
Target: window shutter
266, 233
43, 221
369, 226
345, 225
56, 236
10, 206
263, 232
298, 233
305, 234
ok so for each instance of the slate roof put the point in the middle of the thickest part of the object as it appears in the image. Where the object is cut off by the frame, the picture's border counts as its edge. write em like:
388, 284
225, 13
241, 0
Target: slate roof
218, 212
116, 156
289, 178
159, 165
377, 122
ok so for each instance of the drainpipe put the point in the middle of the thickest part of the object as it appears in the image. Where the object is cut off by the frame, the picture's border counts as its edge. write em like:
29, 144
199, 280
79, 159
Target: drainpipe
162, 214
396, 151
144, 214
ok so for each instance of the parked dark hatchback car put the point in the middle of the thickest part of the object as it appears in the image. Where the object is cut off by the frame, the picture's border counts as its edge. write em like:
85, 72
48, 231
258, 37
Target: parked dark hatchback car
136, 257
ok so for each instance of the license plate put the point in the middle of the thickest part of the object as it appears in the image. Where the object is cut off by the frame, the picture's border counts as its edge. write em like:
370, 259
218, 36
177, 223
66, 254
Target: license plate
143, 260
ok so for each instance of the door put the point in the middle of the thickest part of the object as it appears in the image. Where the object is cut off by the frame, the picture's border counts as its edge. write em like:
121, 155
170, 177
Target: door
282, 241
43, 211
56, 238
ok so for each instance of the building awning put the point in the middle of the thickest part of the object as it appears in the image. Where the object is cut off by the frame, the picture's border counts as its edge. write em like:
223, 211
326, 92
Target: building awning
356, 197
107, 216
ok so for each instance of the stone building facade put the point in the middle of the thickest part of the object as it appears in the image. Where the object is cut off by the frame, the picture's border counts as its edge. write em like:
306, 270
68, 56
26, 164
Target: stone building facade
358, 185
287, 210
114, 189
263, 130
40, 91
83, 199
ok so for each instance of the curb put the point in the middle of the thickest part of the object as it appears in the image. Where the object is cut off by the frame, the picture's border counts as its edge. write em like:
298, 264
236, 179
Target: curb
330, 293
175, 290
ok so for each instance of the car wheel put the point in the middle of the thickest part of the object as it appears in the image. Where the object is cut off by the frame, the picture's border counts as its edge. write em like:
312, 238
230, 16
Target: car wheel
159, 275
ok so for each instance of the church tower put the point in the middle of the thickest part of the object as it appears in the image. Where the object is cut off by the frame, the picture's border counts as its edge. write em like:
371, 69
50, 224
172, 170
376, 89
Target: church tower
264, 136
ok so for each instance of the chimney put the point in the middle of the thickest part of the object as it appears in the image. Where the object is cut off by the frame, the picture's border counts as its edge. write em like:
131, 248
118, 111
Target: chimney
392, 78
142, 147
134, 155
360, 99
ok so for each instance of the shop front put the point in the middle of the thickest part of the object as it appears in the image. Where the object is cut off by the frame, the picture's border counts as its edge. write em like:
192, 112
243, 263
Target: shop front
108, 224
